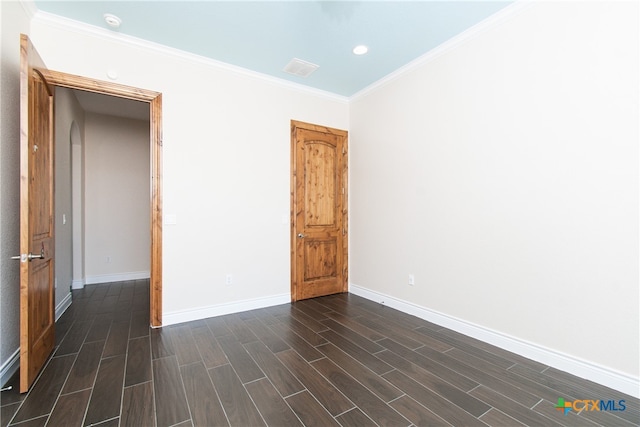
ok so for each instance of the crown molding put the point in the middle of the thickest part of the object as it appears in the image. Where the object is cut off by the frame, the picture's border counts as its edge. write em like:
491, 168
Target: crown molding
470, 33
83, 29
29, 7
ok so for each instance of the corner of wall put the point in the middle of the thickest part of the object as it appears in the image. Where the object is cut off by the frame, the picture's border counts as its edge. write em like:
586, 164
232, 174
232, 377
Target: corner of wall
573, 365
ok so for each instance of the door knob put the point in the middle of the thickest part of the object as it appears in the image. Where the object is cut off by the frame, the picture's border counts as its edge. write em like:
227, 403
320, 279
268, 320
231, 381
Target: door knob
301, 236
29, 256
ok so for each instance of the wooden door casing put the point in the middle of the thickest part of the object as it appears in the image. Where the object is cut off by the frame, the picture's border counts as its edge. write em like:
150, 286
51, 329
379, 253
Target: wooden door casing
319, 240
37, 298
154, 99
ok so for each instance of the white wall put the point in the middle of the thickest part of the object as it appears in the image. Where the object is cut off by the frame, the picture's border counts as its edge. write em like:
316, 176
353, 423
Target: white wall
503, 174
226, 162
13, 21
116, 198
68, 113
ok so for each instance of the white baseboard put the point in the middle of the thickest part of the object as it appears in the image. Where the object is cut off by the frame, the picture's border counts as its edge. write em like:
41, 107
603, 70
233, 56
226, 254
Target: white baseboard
78, 284
10, 367
221, 309
62, 307
117, 277
576, 366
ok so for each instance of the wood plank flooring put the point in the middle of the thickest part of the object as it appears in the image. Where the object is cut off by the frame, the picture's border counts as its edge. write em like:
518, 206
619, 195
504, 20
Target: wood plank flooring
339, 360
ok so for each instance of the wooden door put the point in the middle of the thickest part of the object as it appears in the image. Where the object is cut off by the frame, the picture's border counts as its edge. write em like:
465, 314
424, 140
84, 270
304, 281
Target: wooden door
37, 311
319, 211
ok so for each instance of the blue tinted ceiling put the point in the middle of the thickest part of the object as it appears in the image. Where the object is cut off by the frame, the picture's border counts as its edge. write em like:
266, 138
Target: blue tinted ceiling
264, 36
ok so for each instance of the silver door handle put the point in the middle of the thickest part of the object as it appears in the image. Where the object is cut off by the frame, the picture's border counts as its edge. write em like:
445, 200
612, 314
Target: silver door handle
301, 236
29, 256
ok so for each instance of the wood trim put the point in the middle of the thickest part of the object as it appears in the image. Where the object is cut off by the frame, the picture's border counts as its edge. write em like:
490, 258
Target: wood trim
345, 213
155, 297
292, 213
71, 81
309, 126
25, 73
154, 99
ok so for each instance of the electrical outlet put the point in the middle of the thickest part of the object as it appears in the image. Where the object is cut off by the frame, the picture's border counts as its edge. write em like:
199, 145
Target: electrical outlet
108, 260
412, 280
229, 279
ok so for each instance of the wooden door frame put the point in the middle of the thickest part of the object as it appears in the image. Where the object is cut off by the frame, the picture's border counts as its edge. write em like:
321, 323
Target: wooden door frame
154, 99
295, 124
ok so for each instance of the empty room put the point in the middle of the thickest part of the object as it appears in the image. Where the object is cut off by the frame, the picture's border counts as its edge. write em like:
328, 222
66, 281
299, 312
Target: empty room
331, 213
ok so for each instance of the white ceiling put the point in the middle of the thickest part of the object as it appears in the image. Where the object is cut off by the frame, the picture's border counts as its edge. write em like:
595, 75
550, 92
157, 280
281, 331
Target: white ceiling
112, 106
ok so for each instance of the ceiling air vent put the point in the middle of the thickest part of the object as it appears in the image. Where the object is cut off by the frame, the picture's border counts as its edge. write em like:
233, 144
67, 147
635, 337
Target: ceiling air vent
300, 68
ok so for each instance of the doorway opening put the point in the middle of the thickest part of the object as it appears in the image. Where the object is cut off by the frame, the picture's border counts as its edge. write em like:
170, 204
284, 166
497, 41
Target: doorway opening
102, 190
153, 101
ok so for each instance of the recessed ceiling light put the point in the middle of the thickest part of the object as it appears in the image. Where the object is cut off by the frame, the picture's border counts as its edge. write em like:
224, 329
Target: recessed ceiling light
360, 50
112, 20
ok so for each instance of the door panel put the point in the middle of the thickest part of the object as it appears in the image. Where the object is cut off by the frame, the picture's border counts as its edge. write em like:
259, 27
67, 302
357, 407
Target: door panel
37, 311
318, 198
321, 161
321, 256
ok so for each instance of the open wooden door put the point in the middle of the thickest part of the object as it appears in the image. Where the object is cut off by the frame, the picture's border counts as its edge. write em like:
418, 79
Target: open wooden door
37, 311
319, 211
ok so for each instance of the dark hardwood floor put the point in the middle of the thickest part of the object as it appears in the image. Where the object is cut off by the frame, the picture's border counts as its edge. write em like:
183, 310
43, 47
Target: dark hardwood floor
336, 360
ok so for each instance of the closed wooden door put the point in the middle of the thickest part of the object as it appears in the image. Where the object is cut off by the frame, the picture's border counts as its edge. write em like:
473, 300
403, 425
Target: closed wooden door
319, 242
37, 311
